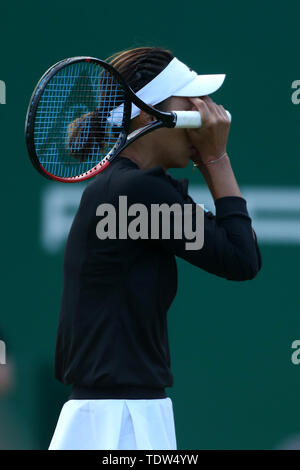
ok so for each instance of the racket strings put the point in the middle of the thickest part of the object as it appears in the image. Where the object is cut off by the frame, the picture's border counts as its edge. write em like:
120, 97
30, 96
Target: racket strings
73, 128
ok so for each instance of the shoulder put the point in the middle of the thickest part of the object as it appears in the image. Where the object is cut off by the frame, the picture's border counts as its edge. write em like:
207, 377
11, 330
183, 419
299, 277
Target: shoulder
128, 179
153, 185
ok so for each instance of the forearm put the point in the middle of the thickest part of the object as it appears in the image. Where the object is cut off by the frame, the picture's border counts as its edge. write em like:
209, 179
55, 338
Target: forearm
220, 178
229, 249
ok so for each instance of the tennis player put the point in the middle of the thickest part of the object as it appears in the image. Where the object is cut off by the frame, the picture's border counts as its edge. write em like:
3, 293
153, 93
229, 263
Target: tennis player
112, 340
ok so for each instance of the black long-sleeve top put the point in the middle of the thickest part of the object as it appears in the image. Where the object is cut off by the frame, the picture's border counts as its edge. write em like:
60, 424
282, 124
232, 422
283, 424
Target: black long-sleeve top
112, 339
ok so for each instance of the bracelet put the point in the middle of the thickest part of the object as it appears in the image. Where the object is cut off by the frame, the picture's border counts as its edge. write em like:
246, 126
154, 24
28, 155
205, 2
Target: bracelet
219, 158
213, 161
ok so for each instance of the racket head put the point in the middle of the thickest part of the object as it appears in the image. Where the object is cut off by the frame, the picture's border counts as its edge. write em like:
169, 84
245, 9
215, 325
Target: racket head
69, 133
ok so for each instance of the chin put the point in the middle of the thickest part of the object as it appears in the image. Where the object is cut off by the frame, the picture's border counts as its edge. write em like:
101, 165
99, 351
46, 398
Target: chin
179, 164
179, 161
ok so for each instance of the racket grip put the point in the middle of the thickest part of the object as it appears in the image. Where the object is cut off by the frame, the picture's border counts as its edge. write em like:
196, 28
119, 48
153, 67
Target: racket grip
190, 119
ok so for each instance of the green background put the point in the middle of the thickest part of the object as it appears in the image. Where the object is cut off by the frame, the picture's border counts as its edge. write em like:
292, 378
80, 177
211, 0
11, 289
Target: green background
235, 385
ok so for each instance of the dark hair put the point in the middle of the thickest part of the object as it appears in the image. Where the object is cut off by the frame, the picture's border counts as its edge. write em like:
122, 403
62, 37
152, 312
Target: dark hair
138, 67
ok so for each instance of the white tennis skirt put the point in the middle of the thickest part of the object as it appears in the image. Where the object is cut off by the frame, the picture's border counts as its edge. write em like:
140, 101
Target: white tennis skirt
113, 424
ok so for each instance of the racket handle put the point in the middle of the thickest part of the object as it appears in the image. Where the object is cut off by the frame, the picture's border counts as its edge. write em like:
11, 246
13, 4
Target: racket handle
190, 119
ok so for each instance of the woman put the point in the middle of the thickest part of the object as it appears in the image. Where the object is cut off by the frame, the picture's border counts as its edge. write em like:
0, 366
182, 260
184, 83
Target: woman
112, 342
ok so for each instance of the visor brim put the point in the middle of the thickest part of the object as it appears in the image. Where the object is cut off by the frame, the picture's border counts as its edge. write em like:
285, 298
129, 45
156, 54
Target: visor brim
202, 85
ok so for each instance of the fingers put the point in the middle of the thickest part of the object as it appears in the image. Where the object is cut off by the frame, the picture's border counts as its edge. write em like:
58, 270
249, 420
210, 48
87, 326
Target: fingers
210, 139
224, 113
201, 106
220, 110
210, 111
198, 103
214, 107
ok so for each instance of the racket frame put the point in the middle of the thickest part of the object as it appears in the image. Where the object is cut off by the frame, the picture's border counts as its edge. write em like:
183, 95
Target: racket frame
163, 119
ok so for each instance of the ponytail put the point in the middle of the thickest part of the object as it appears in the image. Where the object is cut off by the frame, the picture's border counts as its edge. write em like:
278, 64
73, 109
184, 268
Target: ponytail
137, 67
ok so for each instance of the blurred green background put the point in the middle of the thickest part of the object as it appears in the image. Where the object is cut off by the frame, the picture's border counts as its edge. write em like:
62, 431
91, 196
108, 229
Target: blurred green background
235, 385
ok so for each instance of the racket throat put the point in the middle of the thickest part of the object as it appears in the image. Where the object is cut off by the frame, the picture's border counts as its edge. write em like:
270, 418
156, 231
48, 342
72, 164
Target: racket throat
143, 131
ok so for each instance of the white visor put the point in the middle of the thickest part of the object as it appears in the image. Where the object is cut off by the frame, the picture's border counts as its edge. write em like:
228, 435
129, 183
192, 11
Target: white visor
177, 79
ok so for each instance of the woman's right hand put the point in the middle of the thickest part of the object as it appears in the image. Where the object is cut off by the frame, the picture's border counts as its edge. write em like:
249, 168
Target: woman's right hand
209, 140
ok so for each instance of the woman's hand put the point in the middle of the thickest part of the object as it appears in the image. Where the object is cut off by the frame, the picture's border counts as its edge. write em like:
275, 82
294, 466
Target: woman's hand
210, 140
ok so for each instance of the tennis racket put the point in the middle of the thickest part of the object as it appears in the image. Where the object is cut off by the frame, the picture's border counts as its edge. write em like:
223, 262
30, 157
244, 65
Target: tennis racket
78, 119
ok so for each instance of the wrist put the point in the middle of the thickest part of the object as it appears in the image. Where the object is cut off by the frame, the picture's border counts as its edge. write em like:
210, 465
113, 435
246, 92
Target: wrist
213, 161
220, 179
210, 162
221, 167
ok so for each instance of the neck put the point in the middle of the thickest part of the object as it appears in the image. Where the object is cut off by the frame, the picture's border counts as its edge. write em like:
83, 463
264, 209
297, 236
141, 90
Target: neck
142, 156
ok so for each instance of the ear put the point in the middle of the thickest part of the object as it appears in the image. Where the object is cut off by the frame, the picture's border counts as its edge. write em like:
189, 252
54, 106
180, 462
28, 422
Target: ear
145, 117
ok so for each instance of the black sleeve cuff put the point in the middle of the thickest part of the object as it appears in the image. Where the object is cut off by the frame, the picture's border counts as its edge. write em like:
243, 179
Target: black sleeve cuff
231, 205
